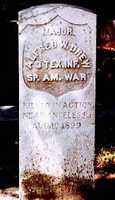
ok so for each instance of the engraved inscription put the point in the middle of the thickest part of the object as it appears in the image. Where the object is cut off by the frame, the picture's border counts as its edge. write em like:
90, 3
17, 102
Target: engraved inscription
58, 30
57, 53
56, 60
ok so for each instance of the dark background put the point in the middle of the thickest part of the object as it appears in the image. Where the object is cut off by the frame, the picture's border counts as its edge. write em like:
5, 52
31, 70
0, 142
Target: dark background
9, 91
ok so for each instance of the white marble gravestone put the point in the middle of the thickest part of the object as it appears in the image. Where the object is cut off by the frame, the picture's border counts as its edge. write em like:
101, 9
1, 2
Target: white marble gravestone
57, 64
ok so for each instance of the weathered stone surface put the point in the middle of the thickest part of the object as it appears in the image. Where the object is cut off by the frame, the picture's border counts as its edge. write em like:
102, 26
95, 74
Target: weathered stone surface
57, 58
9, 194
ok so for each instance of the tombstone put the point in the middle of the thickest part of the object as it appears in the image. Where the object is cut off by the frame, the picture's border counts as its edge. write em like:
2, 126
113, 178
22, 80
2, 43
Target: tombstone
57, 64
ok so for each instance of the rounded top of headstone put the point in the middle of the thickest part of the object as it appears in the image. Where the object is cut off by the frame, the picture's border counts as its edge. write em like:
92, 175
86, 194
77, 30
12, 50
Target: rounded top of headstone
42, 14
44, 8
